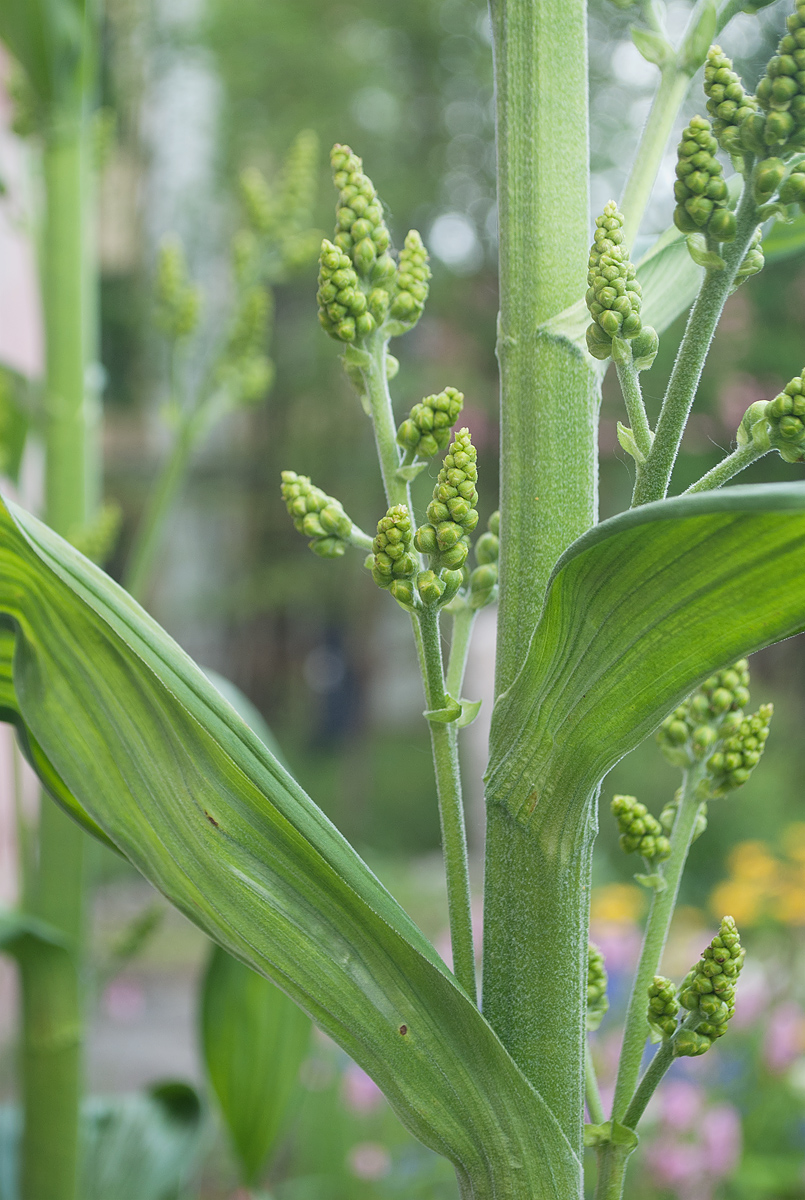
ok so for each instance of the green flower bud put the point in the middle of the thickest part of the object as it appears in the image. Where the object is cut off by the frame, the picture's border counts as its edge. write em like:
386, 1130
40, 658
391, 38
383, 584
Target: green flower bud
645, 347
316, 515
739, 753
754, 426
597, 1002
640, 832
244, 371
785, 416
487, 548
412, 283
781, 94
700, 190
727, 102
430, 587
483, 585
177, 299
663, 1007
766, 178
427, 428
793, 190
613, 295
393, 548
708, 992
754, 259
691, 731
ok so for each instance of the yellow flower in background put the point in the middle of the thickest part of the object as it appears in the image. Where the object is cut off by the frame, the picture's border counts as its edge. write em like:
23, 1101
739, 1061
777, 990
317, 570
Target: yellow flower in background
743, 900
762, 885
753, 861
621, 903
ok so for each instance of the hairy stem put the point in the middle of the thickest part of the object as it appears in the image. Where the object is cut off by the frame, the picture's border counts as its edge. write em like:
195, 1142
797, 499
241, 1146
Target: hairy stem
594, 1103
379, 397
444, 743
684, 381
648, 1084
612, 1162
533, 902
661, 120
463, 623
741, 458
654, 939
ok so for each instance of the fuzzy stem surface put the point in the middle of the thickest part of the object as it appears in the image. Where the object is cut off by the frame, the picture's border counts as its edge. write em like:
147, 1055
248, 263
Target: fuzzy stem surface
594, 1103
654, 939
444, 744
661, 119
377, 391
536, 905
463, 624
738, 461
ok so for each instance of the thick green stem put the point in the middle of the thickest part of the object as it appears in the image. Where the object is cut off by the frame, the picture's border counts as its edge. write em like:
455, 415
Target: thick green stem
444, 743
661, 120
741, 458
656, 934
160, 502
612, 1162
701, 326
536, 905
51, 992
594, 1102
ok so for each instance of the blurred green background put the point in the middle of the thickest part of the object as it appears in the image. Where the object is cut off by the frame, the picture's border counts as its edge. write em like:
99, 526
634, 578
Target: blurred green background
199, 90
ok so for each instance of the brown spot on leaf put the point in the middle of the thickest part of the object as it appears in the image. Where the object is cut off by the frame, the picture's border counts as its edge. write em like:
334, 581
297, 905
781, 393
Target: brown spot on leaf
211, 820
403, 1030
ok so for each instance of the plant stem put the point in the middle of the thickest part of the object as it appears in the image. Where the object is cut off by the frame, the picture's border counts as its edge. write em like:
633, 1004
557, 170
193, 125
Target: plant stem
648, 1084
463, 623
51, 991
144, 550
654, 939
741, 458
535, 903
727, 11
388, 453
594, 1103
701, 326
612, 1162
662, 117
444, 743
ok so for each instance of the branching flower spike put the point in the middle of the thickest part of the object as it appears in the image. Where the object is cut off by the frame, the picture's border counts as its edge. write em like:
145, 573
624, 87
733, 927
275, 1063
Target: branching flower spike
597, 1002
452, 516
640, 832
413, 276
614, 296
780, 127
700, 190
177, 299
785, 416
663, 1008
708, 991
484, 579
426, 430
316, 515
395, 564
739, 754
728, 103
713, 711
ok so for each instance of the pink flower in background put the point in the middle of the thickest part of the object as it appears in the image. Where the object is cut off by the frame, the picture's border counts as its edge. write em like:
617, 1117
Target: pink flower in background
361, 1094
124, 1000
680, 1104
619, 942
785, 1037
721, 1138
369, 1160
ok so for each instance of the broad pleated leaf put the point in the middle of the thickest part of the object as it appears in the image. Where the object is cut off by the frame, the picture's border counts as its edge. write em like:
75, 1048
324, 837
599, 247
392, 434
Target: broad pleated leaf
255, 1040
46, 37
159, 760
638, 612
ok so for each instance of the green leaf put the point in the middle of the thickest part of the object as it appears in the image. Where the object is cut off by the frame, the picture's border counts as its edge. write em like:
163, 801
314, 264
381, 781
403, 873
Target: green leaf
697, 249
254, 1041
155, 756
638, 612
410, 472
653, 46
469, 711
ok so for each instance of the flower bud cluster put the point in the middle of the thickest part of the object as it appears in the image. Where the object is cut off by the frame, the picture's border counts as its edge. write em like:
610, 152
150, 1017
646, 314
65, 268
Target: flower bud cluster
714, 710
709, 991
640, 832
754, 260
614, 296
785, 417
597, 1002
452, 516
316, 515
177, 299
360, 285
663, 1007
484, 579
727, 102
700, 189
781, 95
395, 564
426, 430
739, 753
282, 216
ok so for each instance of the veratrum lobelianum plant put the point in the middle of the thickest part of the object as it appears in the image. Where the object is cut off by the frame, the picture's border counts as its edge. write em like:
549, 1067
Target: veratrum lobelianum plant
606, 631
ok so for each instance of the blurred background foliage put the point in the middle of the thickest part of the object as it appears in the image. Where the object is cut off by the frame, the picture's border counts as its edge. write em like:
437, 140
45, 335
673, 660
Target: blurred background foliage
195, 91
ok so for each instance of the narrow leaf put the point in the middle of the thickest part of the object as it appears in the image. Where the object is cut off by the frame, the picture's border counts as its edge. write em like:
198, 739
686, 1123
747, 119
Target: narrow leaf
638, 612
155, 756
254, 1039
